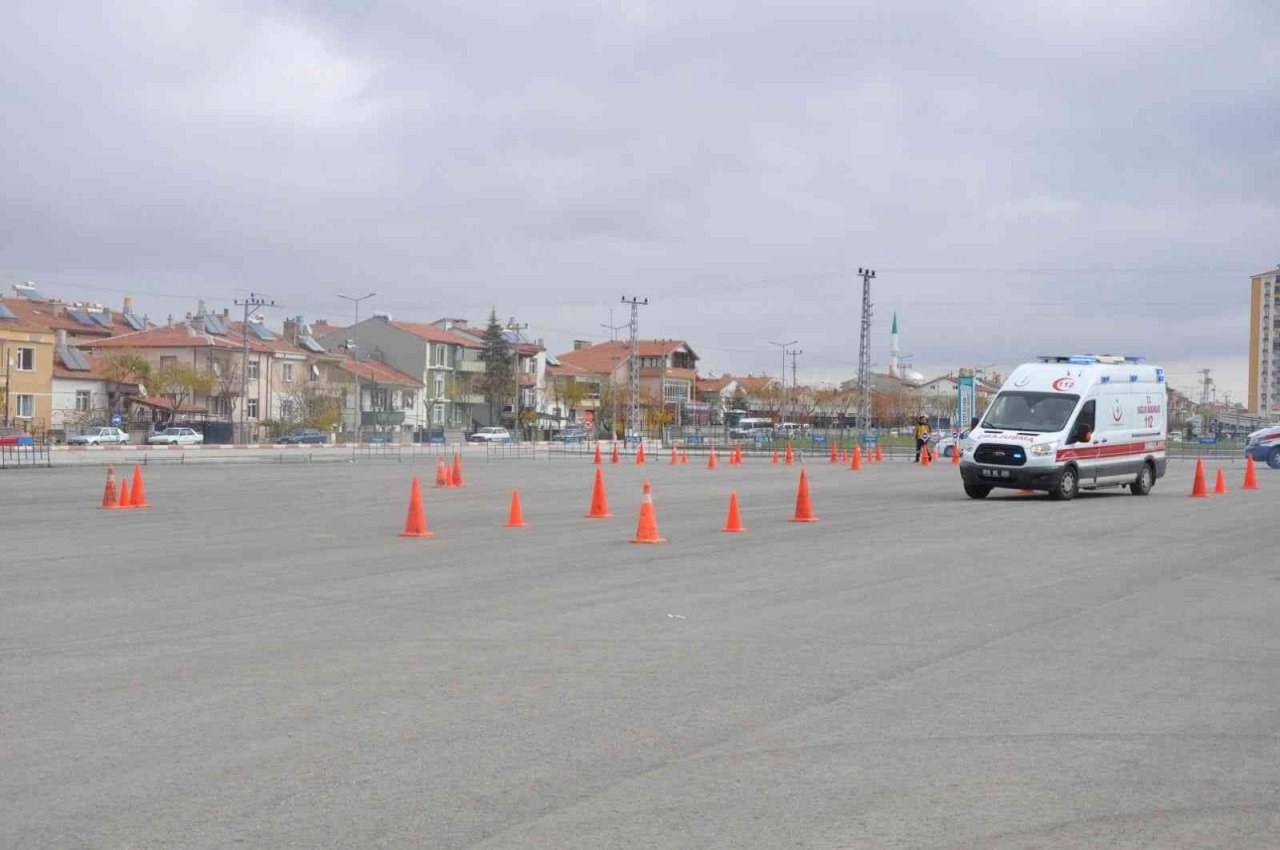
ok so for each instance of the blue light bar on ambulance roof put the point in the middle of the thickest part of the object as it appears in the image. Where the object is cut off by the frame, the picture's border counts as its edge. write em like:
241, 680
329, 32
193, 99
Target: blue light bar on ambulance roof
1091, 359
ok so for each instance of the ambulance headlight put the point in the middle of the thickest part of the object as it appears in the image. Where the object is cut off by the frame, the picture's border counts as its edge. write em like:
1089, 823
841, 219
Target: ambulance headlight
1042, 449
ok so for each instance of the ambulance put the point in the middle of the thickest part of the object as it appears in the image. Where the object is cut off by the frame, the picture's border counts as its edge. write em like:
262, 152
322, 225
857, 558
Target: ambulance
1071, 422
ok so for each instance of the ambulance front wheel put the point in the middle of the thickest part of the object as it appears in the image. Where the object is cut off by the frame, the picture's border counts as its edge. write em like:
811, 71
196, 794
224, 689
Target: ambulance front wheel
1273, 458
1141, 485
1068, 486
976, 491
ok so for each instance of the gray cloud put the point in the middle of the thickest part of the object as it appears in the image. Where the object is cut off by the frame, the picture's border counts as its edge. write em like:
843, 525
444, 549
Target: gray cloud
1069, 175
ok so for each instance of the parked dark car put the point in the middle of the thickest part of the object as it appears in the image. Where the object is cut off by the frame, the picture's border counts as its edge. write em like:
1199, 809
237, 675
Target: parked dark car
306, 435
571, 435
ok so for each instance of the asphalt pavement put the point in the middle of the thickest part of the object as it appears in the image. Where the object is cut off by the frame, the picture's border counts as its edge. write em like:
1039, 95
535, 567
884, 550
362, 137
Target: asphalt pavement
259, 660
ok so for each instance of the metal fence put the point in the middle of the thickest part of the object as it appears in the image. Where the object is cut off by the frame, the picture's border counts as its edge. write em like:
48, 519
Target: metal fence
18, 456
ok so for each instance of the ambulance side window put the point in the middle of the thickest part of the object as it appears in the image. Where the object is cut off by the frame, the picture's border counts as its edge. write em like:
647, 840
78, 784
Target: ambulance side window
1082, 430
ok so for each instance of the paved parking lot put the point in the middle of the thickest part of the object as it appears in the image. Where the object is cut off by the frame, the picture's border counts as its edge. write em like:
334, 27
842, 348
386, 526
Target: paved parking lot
260, 661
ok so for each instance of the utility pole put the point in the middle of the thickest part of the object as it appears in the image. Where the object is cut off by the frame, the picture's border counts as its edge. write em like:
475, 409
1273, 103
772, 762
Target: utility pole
613, 375
782, 408
633, 368
864, 355
795, 387
253, 302
515, 356
1205, 384
354, 345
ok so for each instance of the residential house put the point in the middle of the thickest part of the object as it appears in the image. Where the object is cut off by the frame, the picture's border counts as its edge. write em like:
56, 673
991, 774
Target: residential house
81, 322
435, 357
667, 371
535, 402
386, 397
574, 395
26, 369
752, 395
85, 391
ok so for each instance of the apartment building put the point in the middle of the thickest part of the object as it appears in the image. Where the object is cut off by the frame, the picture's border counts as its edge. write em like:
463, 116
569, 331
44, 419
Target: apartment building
667, 370
26, 372
1264, 343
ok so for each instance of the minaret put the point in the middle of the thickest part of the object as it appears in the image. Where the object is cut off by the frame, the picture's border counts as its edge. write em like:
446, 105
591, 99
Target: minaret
894, 351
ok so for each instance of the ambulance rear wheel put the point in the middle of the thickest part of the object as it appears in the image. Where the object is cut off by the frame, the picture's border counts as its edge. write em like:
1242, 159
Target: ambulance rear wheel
1068, 486
1273, 458
976, 491
1141, 485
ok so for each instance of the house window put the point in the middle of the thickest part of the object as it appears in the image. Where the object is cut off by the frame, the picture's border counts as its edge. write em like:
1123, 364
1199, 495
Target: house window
675, 392
437, 414
26, 360
26, 405
286, 409
253, 369
407, 400
82, 401
437, 386
168, 361
251, 408
441, 356
315, 373
457, 415
286, 373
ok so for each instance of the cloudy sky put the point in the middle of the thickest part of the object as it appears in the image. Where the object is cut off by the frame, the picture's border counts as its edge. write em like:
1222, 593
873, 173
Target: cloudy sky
1064, 176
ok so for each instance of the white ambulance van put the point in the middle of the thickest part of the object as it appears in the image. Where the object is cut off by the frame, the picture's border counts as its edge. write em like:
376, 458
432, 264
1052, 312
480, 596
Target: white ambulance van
1071, 422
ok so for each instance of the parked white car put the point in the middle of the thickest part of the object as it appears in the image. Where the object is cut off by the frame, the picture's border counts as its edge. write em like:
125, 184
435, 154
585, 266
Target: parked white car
490, 435
177, 437
105, 436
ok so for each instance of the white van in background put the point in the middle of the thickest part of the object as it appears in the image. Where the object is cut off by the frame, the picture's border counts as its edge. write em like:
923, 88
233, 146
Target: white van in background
1071, 422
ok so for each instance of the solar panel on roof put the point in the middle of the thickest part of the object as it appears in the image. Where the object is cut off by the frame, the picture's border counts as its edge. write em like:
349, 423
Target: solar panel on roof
6, 313
261, 331
80, 316
73, 360
310, 344
28, 292
101, 319
133, 322
213, 324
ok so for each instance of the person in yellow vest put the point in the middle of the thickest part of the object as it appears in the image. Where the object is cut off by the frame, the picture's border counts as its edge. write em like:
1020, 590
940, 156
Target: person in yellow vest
922, 436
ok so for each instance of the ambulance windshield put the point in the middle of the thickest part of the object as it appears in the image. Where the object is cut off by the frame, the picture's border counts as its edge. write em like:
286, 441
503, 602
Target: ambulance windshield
1041, 413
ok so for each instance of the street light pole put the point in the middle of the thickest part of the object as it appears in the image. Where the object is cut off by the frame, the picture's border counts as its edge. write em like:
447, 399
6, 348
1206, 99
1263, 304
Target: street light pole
253, 302
355, 355
515, 356
784, 345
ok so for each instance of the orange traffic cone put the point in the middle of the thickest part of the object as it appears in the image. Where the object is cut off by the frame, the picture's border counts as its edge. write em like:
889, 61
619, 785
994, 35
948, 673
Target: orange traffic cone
733, 457
1250, 474
833, 453
1220, 486
597, 458
415, 523
675, 456
684, 457
138, 492
1198, 489
599, 504
109, 491
924, 456
955, 455
734, 521
790, 456
614, 458
856, 463
647, 527
804, 508
775, 456
640, 455
455, 480
840, 458
515, 519
711, 459
879, 454
122, 501
442, 473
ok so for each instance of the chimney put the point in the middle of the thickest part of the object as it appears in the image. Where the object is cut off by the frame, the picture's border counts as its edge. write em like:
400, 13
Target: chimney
200, 307
291, 330
170, 322
128, 306
579, 344
61, 336
226, 312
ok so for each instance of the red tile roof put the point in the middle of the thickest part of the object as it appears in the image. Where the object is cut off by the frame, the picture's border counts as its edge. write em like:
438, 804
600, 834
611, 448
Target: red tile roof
52, 315
177, 336
379, 372
97, 369
605, 357
431, 333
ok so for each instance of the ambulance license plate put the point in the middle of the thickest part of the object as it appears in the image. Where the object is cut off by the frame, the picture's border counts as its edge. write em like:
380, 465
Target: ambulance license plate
988, 472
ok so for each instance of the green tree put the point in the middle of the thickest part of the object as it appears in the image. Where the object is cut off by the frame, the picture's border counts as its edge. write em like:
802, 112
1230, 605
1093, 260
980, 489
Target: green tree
123, 368
498, 381
182, 382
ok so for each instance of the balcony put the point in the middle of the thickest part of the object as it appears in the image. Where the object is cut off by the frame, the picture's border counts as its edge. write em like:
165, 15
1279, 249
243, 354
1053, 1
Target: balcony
382, 417
474, 366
